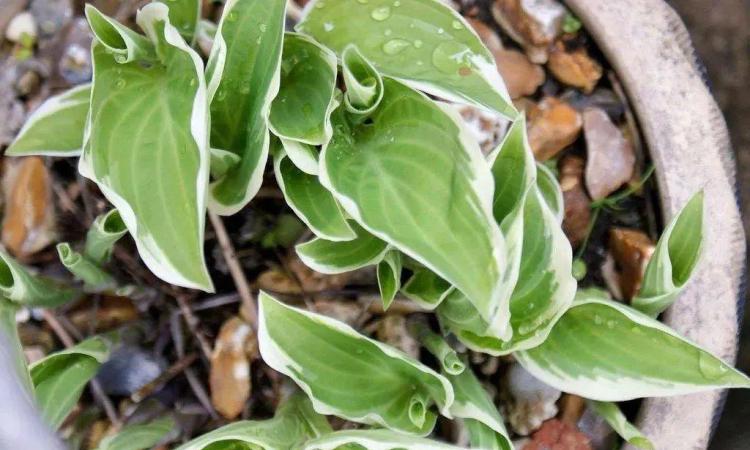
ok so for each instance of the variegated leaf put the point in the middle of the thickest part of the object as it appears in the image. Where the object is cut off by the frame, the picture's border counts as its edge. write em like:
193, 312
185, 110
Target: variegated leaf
374, 440
333, 257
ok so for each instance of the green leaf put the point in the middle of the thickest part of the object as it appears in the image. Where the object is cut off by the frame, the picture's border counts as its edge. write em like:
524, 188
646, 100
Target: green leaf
13, 351
106, 230
333, 257
139, 437
302, 109
243, 78
56, 127
606, 351
617, 420
95, 279
304, 156
222, 162
435, 344
20, 286
312, 203
474, 403
348, 374
374, 440
539, 257
485, 438
389, 277
672, 264
294, 423
414, 177
423, 43
551, 191
60, 378
426, 288
146, 148
184, 15
123, 43
364, 85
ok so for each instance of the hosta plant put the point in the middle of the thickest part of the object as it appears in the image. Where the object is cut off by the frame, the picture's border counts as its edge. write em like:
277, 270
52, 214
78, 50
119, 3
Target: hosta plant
356, 111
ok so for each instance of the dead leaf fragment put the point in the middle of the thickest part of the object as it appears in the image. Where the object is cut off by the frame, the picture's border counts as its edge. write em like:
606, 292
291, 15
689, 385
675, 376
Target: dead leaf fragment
577, 203
574, 68
229, 379
610, 159
110, 313
392, 330
558, 435
632, 250
29, 212
553, 125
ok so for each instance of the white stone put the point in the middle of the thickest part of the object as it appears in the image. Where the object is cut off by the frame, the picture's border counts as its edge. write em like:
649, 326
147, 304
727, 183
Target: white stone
22, 24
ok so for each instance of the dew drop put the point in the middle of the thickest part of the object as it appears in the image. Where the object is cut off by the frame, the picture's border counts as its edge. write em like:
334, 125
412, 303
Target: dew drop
710, 367
120, 58
221, 95
245, 87
263, 27
449, 56
611, 324
362, 2
120, 83
388, 32
328, 27
192, 82
396, 4
395, 46
418, 43
320, 5
381, 14
457, 25
598, 319
441, 31
232, 16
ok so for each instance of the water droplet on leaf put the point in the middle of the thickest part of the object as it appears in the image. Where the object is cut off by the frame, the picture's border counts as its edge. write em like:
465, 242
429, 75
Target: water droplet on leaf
449, 56
710, 367
395, 46
456, 25
381, 14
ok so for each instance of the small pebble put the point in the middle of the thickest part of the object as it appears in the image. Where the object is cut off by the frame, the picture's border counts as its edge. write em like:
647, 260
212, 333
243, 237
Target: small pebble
22, 26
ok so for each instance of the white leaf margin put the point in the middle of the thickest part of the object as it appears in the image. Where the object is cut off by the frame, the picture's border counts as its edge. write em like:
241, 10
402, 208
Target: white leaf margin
50, 107
626, 388
376, 440
278, 360
151, 254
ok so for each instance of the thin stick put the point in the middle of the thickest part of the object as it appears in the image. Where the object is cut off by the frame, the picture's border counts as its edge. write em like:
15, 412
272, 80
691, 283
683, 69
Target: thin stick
162, 379
96, 389
192, 323
248, 310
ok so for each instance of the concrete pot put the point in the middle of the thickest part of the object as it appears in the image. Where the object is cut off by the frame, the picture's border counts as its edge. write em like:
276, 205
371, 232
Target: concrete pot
687, 138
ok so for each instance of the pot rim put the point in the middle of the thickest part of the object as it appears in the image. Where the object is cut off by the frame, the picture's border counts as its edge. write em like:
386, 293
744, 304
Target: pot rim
687, 138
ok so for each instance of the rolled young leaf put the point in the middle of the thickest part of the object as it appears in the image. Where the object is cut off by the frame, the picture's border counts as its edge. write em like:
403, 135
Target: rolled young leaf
302, 109
139, 437
415, 178
20, 286
146, 148
364, 85
295, 422
606, 351
123, 43
374, 440
60, 378
672, 264
348, 374
449, 360
243, 78
95, 279
617, 420
333, 257
184, 15
56, 127
14, 349
426, 288
539, 255
474, 404
312, 203
423, 43
389, 277
106, 230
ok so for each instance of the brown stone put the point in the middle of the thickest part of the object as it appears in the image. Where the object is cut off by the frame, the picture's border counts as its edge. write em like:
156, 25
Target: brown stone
610, 161
553, 125
574, 68
533, 24
577, 202
393, 331
521, 76
29, 212
631, 249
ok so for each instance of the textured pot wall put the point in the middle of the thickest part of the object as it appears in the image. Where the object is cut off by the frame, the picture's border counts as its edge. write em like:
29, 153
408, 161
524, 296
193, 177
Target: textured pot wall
688, 141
